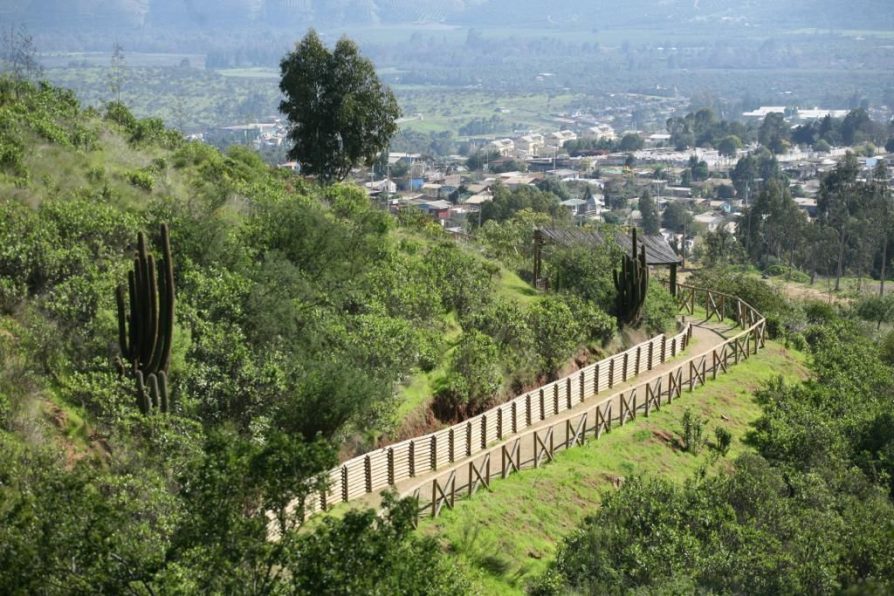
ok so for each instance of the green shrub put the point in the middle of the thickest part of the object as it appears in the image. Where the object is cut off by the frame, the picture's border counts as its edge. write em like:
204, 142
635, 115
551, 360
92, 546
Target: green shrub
660, 309
818, 313
474, 375
724, 439
595, 324
887, 348
782, 270
693, 431
141, 179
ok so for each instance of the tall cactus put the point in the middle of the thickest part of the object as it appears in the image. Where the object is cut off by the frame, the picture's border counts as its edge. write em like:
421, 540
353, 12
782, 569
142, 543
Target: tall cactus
146, 331
631, 283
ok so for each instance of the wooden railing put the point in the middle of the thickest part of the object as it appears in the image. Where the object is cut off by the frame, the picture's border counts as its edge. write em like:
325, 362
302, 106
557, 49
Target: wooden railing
537, 446
408, 459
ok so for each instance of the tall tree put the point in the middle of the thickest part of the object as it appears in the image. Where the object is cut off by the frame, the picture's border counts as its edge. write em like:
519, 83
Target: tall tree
117, 71
774, 132
340, 113
649, 213
882, 200
20, 54
839, 201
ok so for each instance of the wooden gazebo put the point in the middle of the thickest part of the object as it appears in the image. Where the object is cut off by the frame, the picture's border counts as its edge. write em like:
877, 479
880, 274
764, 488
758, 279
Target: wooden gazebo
658, 251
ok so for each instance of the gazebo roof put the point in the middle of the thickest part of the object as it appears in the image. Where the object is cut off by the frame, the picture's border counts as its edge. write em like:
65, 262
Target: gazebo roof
658, 251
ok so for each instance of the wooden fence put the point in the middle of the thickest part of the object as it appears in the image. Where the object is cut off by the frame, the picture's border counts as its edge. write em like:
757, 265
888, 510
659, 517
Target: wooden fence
537, 446
385, 467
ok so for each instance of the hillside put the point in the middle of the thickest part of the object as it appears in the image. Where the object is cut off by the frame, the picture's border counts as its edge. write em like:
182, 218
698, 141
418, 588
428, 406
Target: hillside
550, 502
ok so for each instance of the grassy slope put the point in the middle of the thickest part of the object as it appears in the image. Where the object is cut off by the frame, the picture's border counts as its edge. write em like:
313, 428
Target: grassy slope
505, 537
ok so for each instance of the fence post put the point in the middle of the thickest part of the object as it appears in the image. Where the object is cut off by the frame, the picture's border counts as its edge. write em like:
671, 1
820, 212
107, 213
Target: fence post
390, 466
567, 394
624, 370
639, 350
412, 459
596, 379
663, 347
484, 430
542, 403
611, 373
582, 388
500, 423
451, 444
367, 467
344, 483
651, 349
514, 416
528, 408
434, 452
468, 438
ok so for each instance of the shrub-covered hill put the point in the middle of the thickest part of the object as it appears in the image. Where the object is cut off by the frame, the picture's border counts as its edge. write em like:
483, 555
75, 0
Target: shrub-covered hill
301, 312
298, 308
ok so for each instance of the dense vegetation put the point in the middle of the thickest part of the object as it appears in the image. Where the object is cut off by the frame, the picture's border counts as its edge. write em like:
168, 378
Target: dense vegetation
809, 511
299, 311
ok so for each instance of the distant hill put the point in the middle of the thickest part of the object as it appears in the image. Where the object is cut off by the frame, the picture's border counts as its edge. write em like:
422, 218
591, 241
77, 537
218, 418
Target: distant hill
190, 14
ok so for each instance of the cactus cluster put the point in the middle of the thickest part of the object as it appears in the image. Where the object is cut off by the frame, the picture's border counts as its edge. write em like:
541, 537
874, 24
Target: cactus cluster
146, 323
631, 283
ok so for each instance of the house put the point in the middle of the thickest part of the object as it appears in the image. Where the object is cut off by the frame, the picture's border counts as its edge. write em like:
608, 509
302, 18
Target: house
806, 205
513, 180
482, 197
505, 147
712, 221
530, 145
432, 190
556, 140
595, 203
577, 207
386, 186
440, 210
600, 132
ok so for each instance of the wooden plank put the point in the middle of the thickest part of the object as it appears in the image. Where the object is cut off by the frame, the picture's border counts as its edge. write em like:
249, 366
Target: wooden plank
510, 456
543, 446
443, 495
575, 434
480, 475
603, 419
628, 406
583, 391
653, 397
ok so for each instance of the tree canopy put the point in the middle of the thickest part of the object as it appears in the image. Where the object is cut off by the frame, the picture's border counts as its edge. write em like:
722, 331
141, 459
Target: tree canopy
340, 113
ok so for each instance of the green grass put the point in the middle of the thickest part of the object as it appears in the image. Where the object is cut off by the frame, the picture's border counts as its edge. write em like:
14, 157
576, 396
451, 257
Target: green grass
511, 286
505, 537
420, 388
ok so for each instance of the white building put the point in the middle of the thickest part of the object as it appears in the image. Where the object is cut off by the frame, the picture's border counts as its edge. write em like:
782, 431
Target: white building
599, 132
530, 145
504, 147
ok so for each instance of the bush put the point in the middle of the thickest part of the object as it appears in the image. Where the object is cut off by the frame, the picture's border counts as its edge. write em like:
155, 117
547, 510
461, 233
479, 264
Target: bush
556, 332
474, 375
724, 439
819, 313
693, 430
595, 324
887, 348
660, 309
141, 179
